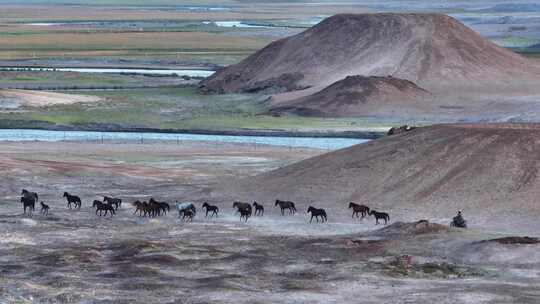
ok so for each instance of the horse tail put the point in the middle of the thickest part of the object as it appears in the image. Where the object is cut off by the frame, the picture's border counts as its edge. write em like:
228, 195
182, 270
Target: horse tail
292, 205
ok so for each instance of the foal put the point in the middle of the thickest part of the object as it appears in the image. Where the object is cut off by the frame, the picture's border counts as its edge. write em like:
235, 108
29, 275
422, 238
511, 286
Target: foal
316, 213
188, 215
209, 208
44, 209
259, 209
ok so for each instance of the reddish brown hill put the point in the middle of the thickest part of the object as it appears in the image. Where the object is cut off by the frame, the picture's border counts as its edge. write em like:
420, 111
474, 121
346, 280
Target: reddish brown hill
435, 51
491, 171
361, 96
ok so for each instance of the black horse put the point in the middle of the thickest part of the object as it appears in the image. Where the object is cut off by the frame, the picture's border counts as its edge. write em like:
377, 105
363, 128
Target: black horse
380, 216
28, 202
362, 209
286, 205
44, 209
73, 199
113, 201
316, 213
244, 209
160, 206
210, 208
27, 193
100, 206
259, 209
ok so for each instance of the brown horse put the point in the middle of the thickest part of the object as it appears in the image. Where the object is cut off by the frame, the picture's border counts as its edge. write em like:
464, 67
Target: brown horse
286, 205
362, 209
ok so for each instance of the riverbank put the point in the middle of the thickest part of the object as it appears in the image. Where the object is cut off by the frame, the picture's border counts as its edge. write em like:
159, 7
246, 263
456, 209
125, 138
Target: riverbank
357, 134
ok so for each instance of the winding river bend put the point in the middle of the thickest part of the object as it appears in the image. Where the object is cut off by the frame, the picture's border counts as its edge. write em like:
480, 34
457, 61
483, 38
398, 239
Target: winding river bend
56, 136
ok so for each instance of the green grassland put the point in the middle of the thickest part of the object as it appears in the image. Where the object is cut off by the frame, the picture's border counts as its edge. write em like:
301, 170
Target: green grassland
179, 109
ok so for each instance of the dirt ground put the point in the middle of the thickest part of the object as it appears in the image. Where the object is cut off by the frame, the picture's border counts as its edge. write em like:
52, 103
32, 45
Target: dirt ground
42, 99
74, 256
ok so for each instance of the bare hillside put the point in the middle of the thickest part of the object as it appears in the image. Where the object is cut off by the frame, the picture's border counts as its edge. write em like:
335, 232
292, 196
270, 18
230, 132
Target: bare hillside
359, 95
435, 51
489, 170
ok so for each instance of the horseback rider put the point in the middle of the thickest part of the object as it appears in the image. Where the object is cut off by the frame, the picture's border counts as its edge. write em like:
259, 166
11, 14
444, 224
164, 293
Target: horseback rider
459, 221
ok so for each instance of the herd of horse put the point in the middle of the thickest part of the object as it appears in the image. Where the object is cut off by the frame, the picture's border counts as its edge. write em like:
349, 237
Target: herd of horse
187, 211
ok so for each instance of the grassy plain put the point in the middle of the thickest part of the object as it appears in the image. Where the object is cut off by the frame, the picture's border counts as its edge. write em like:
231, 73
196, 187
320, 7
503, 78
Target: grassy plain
180, 108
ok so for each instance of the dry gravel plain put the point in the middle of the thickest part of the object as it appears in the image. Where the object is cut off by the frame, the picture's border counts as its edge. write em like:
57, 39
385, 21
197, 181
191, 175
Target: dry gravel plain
73, 256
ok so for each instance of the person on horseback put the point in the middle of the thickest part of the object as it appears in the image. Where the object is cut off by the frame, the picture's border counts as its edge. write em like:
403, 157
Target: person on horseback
459, 221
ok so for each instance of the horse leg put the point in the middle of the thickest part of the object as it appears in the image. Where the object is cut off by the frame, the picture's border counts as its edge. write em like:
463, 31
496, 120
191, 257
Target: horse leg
310, 220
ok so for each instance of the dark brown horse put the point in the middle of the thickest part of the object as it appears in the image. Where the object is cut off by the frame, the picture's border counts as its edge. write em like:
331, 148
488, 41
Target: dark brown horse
188, 215
380, 216
244, 209
117, 202
28, 202
362, 209
100, 206
315, 212
159, 206
139, 207
286, 205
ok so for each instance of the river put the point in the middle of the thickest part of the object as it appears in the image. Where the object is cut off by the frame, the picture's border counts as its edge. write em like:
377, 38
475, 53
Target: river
190, 73
54, 136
